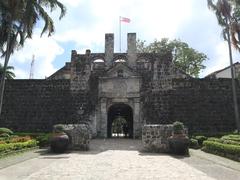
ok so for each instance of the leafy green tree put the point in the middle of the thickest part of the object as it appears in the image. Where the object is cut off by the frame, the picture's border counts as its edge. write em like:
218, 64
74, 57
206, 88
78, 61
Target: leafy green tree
185, 58
17, 21
9, 74
117, 124
228, 15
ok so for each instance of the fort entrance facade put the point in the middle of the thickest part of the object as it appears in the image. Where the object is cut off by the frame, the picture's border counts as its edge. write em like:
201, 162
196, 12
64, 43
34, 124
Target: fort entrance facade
118, 87
98, 89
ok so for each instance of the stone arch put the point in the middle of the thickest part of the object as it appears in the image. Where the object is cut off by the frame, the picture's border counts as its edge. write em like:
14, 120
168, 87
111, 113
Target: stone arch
97, 62
120, 110
120, 58
97, 56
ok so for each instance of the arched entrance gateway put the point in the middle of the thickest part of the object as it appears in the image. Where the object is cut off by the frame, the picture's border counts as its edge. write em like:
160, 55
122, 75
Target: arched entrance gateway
120, 121
118, 109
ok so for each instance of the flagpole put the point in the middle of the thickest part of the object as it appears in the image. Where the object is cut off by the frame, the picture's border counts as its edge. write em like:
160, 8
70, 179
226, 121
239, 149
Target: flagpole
120, 34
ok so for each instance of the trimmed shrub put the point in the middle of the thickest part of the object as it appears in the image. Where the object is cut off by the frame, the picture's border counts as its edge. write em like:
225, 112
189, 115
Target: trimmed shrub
58, 128
5, 131
32, 135
4, 135
2, 142
226, 150
178, 127
19, 139
11, 147
224, 141
194, 143
42, 138
232, 137
200, 139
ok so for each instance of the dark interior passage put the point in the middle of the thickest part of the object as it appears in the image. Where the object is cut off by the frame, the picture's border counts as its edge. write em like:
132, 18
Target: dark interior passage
120, 121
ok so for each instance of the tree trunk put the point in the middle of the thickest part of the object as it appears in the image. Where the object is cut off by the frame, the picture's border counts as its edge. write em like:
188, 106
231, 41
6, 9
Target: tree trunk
7, 57
233, 81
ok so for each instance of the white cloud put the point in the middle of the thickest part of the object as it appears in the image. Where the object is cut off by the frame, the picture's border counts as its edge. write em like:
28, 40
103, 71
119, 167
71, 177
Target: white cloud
87, 21
21, 74
45, 51
73, 3
221, 61
151, 19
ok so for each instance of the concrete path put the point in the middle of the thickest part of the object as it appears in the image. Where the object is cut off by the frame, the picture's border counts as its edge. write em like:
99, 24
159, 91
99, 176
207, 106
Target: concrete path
116, 159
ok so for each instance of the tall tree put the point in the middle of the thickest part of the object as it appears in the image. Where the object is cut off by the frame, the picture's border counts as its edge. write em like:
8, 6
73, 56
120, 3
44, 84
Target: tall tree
9, 74
17, 21
185, 58
228, 16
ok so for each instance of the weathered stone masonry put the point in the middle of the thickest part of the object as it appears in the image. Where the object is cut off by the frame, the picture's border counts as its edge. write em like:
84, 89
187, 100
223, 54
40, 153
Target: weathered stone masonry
36, 105
146, 88
204, 105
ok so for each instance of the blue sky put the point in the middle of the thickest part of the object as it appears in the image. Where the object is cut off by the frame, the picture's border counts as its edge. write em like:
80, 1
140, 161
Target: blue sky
87, 21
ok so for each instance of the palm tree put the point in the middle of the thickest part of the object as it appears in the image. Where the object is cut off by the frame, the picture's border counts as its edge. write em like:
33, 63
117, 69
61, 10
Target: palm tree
9, 73
17, 21
228, 16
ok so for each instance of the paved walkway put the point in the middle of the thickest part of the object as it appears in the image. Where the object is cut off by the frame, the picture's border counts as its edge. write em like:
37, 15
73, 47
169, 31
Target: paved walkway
119, 159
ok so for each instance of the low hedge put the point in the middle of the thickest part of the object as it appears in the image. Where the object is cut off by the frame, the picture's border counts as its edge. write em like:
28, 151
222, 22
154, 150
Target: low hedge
42, 138
18, 139
224, 141
194, 143
200, 139
5, 131
212, 134
11, 147
232, 137
226, 150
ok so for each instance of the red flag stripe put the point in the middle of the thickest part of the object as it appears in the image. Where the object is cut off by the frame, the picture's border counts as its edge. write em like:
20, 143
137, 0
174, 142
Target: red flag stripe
124, 19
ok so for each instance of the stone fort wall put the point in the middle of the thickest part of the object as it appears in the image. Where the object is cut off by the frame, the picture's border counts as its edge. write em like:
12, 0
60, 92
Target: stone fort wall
203, 105
36, 105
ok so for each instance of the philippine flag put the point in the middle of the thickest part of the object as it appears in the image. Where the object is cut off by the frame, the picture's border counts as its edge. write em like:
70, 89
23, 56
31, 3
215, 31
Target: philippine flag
124, 19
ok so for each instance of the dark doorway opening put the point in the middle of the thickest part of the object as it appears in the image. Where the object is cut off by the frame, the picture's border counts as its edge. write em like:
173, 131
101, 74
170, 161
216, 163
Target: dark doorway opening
120, 121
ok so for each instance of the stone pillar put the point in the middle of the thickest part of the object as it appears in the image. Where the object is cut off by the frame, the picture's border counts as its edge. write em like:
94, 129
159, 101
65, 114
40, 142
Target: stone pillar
132, 50
93, 123
137, 126
72, 64
73, 55
109, 49
103, 122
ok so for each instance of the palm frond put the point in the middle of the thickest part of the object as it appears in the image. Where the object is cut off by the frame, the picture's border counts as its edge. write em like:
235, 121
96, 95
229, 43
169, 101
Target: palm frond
228, 16
9, 74
211, 5
49, 26
53, 4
